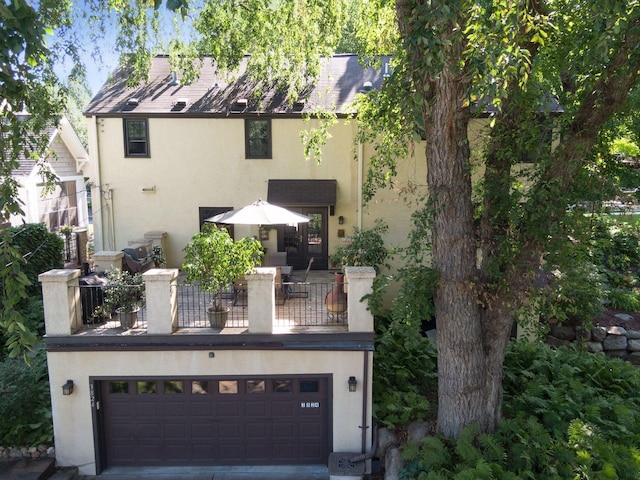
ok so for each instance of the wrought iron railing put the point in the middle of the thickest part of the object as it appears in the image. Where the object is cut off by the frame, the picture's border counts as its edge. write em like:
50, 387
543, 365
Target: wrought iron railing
296, 305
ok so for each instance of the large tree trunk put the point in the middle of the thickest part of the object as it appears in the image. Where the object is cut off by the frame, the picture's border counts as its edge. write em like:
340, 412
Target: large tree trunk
477, 295
470, 356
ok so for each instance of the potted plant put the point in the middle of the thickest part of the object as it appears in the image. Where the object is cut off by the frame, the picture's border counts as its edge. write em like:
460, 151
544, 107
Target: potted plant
123, 295
157, 254
214, 260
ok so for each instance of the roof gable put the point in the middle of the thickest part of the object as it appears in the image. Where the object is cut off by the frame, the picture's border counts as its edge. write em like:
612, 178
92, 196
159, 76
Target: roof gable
63, 133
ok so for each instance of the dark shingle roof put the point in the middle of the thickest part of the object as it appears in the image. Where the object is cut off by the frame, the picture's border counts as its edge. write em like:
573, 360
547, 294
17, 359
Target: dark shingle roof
214, 94
26, 165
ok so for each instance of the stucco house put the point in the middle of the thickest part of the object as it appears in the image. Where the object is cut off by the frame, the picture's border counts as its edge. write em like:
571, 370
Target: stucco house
286, 382
169, 156
67, 203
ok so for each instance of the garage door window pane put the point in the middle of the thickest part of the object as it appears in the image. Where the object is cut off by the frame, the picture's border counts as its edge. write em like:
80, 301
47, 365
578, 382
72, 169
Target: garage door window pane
227, 386
118, 387
173, 386
256, 386
282, 386
199, 387
309, 386
146, 387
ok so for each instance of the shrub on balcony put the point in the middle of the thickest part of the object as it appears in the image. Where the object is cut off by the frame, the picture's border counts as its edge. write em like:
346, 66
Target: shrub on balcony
215, 261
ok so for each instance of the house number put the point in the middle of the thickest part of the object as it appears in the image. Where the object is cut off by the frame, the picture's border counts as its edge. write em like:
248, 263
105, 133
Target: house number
309, 404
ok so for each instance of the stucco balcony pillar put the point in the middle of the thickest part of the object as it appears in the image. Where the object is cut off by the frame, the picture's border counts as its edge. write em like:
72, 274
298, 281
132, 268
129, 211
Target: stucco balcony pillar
105, 260
261, 300
161, 287
360, 282
61, 301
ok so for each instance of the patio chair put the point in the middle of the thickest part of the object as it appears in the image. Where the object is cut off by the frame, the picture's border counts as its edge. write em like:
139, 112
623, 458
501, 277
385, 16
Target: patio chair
299, 287
240, 291
277, 259
281, 290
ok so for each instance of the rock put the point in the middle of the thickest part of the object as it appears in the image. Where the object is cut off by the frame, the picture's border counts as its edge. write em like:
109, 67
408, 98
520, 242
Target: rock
624, 317
616, 330
583, 334
633, 334
417, 431
563, 333
634, 358
393, 464
386, 438
598, 334
633, 345
617, 353
42, 448
51, 451
35, 454
15, 453
594, 347
556, 342
615, 342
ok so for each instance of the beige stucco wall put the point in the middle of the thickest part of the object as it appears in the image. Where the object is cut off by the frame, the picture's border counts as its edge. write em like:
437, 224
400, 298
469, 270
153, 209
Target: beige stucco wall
409, 191
201, 163
73, 428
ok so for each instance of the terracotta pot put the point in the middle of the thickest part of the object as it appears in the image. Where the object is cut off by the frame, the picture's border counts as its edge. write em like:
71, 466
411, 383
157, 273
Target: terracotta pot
336, 299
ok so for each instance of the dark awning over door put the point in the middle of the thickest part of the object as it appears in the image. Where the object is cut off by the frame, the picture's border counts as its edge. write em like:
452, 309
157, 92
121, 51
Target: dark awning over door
298, 193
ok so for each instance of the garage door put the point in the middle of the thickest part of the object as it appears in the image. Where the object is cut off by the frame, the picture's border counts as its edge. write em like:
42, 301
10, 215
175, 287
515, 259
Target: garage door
215, 421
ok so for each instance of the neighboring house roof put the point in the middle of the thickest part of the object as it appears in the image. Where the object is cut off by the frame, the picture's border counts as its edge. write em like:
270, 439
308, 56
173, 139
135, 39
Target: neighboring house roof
67, 134
341, 78
26, 165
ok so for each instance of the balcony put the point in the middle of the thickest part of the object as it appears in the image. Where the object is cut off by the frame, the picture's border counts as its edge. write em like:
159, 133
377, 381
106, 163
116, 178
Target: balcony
176, 309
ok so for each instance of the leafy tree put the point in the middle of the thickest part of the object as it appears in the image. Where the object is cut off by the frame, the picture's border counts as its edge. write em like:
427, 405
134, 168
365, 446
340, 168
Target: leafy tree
79, 95
453, 58
30, 102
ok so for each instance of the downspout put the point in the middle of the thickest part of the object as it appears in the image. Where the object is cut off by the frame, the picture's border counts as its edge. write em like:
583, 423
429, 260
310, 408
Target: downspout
365, 391
96, 189
360, 180
104, 200
366, 455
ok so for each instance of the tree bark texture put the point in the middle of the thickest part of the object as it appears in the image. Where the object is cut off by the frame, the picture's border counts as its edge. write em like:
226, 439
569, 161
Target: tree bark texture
476, 304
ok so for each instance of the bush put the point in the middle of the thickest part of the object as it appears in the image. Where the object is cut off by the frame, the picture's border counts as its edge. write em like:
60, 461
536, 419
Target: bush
366, 248
25, 402
41, 249
405, 372
568, 415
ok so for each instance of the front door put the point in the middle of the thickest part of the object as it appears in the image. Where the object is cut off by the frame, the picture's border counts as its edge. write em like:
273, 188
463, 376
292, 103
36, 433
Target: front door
306, 240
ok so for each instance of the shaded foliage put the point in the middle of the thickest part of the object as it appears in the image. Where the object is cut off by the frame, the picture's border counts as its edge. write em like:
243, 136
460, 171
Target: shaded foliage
24, 402
568, 415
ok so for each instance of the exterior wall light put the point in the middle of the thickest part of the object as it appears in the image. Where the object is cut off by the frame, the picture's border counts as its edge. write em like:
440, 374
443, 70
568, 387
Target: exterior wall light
340, 219
353, 383
67, 388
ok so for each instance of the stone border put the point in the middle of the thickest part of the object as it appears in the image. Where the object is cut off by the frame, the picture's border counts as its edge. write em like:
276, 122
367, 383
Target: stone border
614, 341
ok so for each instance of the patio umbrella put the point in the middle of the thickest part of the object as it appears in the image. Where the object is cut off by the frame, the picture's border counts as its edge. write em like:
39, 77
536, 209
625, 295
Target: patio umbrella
259, 213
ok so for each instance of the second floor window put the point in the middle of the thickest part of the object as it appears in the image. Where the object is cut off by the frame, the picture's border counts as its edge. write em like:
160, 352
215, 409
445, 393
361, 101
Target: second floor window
257, 134
136, 137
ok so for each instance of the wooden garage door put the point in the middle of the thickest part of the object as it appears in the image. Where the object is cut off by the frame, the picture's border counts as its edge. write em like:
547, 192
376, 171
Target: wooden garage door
215, 421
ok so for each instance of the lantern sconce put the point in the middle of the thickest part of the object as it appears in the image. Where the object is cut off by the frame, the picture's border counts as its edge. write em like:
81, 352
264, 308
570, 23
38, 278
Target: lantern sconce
341, 220
353, 383
67, 388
